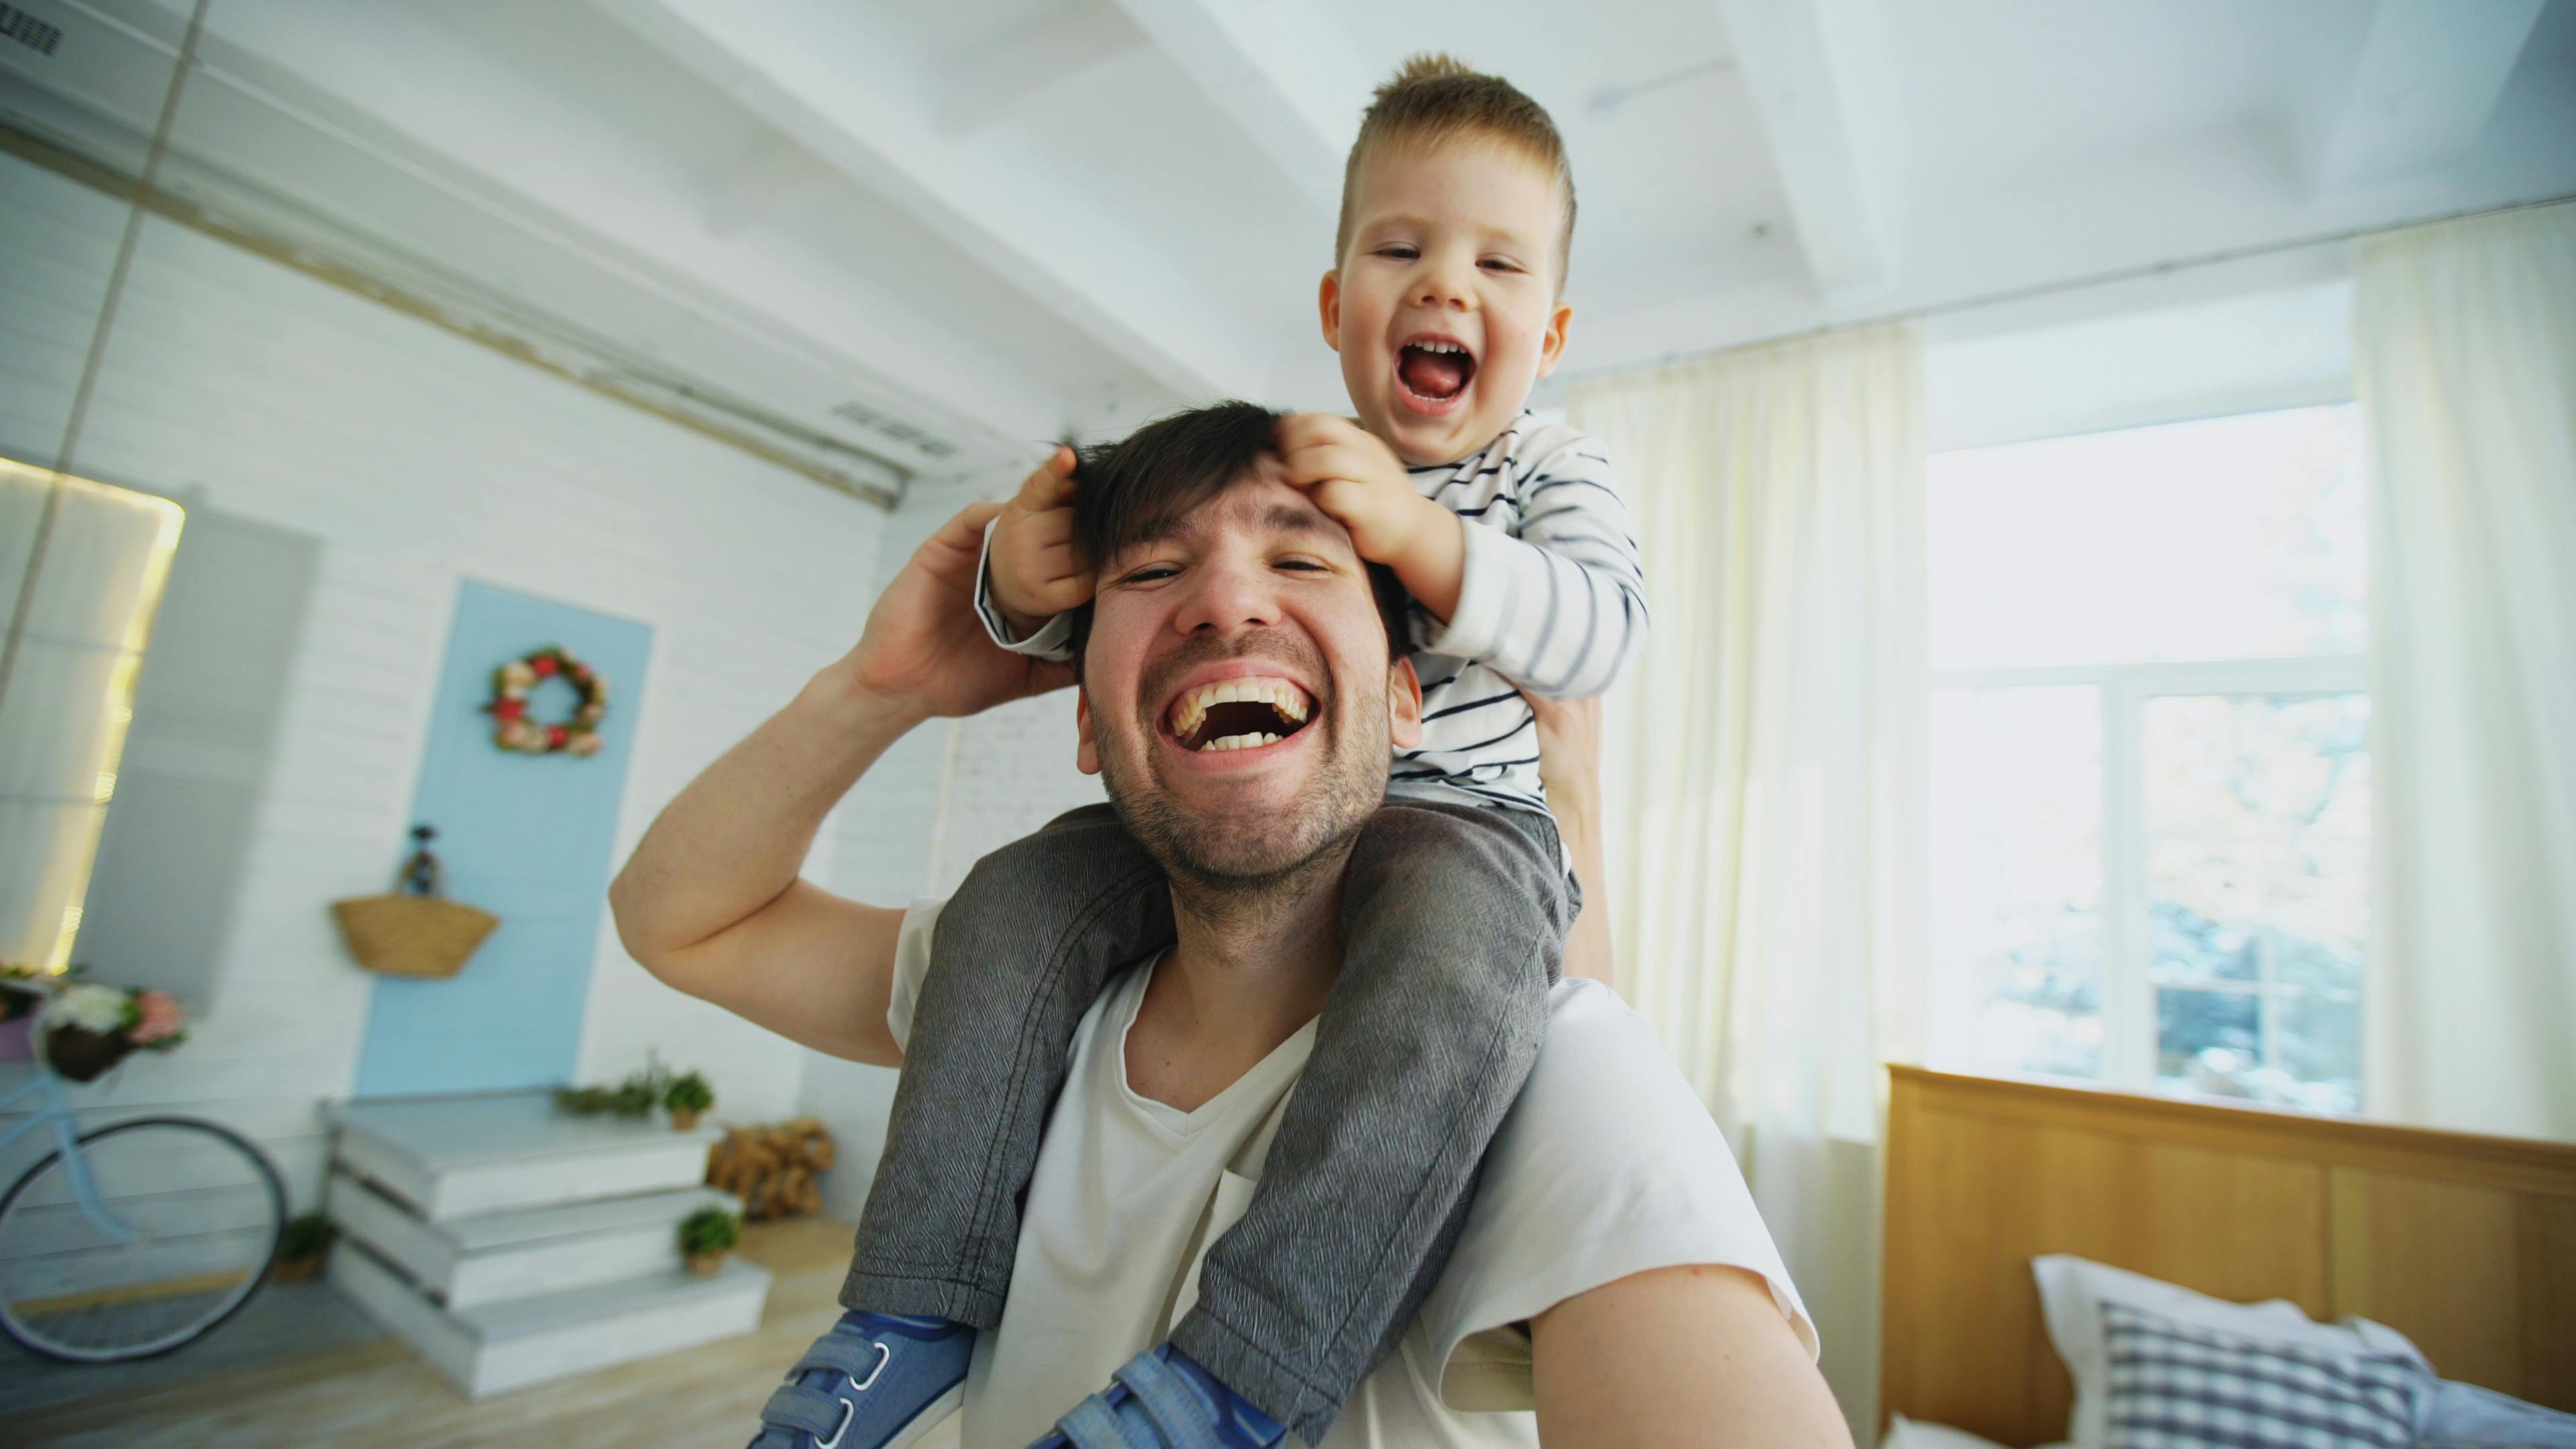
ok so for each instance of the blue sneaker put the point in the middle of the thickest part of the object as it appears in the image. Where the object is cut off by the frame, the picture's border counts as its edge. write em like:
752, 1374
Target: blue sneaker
1161, 1400
876, 1381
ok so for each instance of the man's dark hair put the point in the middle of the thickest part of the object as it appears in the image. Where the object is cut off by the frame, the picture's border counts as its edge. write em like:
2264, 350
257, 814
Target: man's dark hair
1139, 488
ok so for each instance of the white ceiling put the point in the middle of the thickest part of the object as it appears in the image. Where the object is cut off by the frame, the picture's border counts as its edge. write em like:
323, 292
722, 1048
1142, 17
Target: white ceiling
996, 219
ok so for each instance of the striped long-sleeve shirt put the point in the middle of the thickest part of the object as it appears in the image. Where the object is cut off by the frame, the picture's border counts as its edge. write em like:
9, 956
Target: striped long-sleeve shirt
1552, 600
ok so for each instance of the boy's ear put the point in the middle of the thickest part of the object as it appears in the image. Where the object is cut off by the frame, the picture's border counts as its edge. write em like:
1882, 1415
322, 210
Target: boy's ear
1552, 345
1086, 751
1328, 301
1403, 704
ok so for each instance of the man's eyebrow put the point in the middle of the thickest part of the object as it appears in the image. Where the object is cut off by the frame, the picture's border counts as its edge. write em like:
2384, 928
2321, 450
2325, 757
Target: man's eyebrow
1274, 517
1282, 518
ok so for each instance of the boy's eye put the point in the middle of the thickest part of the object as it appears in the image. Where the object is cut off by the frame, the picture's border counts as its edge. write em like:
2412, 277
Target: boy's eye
1399, 252
1499, 264
1149, 573
1302, 563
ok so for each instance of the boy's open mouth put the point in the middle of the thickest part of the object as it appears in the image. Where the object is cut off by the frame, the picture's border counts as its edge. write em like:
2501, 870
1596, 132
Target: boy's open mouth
1239, 714
1434, 368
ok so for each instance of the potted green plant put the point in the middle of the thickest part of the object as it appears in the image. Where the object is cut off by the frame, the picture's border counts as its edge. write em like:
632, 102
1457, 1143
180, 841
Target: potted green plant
706, 1236
687, 1095
302, 1248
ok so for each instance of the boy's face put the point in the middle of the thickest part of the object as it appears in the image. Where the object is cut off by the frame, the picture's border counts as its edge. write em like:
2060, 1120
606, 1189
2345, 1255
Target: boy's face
1445, 309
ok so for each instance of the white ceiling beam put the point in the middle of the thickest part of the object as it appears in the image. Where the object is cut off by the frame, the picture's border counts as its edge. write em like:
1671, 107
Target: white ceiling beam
1792, 56
990, 82
1245, 75
2418, 92
798, 65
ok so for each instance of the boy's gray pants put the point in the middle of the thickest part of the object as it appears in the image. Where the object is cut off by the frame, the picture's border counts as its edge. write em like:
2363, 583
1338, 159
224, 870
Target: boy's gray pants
1454, 920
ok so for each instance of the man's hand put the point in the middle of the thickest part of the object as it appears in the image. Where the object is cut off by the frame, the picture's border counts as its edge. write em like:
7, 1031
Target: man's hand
1036, 573
1569, 765
924, 653
1354, 477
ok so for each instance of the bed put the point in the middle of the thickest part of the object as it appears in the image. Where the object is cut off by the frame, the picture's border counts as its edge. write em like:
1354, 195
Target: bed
2465, 1244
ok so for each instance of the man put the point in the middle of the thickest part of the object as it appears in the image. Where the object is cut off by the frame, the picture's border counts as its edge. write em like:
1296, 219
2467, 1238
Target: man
1612, 1275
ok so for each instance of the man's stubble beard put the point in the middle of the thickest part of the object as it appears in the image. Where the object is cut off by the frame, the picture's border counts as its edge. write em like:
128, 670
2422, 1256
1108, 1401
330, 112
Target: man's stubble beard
1218, 855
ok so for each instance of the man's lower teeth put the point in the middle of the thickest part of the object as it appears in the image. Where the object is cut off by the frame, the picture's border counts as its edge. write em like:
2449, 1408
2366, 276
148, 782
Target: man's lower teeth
1238, 742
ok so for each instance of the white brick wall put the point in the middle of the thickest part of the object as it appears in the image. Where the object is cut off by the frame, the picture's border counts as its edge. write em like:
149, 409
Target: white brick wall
418, 459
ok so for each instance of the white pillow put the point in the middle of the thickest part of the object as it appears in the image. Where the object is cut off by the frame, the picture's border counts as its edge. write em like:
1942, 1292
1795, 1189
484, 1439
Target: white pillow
2464, 1414
2072, 1291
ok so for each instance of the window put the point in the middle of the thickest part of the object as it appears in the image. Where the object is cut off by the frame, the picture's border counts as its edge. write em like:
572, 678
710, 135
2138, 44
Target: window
2150, 799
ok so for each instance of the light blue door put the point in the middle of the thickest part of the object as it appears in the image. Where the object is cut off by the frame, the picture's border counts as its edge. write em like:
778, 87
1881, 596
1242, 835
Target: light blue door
526, 837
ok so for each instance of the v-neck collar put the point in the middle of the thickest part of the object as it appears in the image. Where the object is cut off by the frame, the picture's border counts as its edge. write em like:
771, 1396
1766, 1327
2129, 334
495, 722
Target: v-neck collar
1285, 1060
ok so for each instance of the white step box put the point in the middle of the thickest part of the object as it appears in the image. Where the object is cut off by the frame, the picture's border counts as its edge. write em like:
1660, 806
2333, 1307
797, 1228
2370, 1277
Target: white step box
467, 1262
463, 1156
521, 1341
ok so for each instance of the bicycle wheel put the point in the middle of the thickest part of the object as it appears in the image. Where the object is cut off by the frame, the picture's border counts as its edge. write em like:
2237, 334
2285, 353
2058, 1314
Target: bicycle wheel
175, 1237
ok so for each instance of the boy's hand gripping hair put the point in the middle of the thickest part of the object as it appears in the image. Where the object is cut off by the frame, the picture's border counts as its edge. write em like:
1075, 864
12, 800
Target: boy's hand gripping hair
1353, 476
1036, 572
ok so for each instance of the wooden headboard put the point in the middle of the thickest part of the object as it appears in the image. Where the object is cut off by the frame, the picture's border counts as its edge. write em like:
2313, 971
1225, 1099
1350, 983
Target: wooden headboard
2465, 1244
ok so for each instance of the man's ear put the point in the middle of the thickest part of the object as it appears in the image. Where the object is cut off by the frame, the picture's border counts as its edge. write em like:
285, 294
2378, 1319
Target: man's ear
1328, 301
1403, 704
1551, 346
1086, 751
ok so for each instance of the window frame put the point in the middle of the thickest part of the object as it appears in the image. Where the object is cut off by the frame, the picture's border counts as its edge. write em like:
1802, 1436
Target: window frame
2128, 987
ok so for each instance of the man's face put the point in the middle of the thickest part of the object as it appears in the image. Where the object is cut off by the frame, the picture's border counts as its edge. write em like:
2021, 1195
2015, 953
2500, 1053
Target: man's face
1237, 695
1445, 310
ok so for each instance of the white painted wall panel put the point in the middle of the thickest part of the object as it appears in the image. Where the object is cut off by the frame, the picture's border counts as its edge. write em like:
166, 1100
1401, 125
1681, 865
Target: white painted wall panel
418, 459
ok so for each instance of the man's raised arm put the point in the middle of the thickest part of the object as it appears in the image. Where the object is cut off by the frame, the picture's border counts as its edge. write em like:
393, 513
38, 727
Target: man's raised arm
711, 902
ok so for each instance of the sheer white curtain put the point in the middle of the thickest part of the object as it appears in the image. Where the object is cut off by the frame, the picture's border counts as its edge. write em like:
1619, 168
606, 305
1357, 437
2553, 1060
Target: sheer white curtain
2466, 344
1764, 772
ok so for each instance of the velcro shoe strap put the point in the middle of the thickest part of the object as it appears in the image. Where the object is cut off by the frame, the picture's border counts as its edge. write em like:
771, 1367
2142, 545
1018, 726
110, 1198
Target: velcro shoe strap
806, 1411
857, 1357
1094, 1425
1168, 1400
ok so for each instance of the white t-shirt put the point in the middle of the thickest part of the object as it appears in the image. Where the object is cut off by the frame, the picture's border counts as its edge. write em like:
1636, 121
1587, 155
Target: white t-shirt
1606, 1166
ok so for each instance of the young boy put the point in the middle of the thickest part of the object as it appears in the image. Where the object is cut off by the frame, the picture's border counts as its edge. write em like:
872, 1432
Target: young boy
1457, 212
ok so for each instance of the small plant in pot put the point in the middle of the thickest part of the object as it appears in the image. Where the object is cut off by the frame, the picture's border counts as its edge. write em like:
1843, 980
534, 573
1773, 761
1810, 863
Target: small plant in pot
706, 1236
302, 1248
687, 1095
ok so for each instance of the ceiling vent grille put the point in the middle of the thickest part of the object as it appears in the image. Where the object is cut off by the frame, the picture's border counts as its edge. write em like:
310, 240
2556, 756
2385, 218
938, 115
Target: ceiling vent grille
28, 31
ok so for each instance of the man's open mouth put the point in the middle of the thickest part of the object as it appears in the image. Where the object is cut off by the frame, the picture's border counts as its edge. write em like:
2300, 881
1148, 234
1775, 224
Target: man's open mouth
1434, 368
1239, 714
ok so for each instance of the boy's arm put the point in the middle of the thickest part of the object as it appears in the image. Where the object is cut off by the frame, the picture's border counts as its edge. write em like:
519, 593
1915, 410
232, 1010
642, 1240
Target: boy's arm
1556, 605
711, 902
1029, 579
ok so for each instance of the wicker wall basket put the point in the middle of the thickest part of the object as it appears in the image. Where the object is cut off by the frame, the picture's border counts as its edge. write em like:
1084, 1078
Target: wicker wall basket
411, 935
416, 931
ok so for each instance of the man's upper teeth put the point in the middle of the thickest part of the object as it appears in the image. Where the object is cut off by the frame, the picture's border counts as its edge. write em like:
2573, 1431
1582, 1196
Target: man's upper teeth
1279, 694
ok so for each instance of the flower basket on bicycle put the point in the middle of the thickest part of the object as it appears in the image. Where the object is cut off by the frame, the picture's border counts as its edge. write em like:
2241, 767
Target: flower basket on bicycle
94, 1267
415, 930
82, 1055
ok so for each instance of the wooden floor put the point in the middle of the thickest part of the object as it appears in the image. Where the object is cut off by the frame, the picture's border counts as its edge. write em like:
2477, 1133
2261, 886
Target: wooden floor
380, 1396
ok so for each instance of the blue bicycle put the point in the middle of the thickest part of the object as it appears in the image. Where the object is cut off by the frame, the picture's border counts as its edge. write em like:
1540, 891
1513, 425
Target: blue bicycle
132, 1239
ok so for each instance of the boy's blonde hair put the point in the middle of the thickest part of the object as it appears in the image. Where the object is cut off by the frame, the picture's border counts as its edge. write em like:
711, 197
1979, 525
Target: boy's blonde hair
1435, 97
